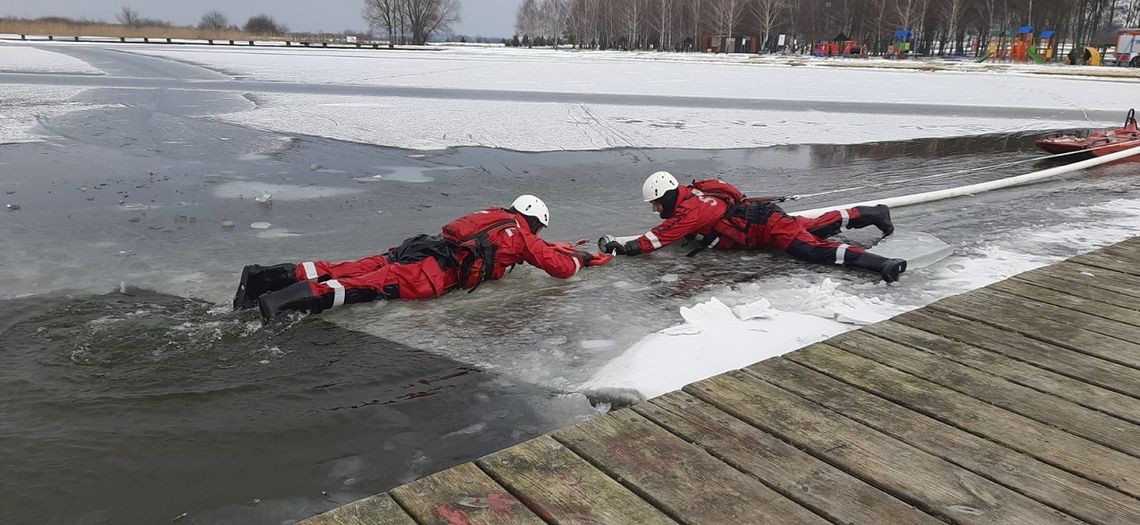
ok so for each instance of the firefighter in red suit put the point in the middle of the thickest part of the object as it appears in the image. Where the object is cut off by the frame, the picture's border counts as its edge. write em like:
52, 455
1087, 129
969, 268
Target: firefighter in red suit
474, 248
717, 215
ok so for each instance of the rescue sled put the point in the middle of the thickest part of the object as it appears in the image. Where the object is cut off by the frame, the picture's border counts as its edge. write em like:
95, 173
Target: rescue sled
1098, 143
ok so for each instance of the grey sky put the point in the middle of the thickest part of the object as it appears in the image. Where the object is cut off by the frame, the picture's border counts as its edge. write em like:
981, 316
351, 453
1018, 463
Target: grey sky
480, 17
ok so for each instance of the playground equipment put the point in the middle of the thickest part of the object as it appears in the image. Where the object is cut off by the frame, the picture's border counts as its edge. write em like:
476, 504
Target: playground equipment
1046, 44
901, 45
995, 47
1086, 56
1019, 50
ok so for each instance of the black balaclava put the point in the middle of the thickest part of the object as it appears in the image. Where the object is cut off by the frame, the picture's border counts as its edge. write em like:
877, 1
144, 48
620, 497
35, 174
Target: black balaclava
668, 203
533, 222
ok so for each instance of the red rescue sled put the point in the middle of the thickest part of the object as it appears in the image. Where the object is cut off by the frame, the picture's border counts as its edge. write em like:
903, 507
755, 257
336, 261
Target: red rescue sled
1098, 143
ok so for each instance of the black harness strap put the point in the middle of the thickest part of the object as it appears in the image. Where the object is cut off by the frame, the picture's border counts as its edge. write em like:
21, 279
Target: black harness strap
482, 250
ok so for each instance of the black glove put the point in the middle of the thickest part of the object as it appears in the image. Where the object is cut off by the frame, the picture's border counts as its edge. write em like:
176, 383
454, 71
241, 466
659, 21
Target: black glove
609, 244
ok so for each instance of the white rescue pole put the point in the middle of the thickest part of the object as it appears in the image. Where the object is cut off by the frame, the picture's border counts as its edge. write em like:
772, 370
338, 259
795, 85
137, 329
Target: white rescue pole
931, 196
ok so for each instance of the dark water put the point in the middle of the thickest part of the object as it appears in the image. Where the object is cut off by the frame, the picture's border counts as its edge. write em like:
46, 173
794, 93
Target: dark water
158, 404
137, 407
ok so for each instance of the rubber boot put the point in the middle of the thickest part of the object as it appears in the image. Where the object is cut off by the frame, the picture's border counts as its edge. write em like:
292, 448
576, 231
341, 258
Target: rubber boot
877, 216
889, 269
257, 280
297, 297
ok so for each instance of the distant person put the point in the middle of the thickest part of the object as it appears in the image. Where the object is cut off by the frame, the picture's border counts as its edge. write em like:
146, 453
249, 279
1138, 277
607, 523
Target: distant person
717, 215
474, 248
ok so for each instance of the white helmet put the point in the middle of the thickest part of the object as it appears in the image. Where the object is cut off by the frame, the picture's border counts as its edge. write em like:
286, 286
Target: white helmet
657, 184
532, 206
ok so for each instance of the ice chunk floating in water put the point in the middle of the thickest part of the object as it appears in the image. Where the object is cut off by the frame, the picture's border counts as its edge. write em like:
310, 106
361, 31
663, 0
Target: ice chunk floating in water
919, 249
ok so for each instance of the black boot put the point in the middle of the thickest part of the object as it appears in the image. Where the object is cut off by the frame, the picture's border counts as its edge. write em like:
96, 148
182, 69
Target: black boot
297, 297
257, 280
889, 269
878, 216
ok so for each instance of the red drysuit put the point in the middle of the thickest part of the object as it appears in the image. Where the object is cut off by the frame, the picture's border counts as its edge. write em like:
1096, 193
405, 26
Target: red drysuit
392, 275
702, 216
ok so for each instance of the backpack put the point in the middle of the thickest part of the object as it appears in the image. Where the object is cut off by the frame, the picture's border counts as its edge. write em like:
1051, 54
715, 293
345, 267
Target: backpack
719, 189
470, 232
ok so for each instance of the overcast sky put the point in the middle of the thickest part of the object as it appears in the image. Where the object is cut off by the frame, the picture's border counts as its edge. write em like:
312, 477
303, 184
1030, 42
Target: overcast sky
480, 17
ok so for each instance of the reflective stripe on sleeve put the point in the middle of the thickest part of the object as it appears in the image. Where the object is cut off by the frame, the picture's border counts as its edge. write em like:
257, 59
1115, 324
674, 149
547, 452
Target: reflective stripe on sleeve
653, 239
846, 218
577, 265
841, 254
310, 270
338, 291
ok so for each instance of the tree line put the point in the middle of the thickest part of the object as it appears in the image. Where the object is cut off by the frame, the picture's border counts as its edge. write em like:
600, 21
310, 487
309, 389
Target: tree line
935, 26
410, 21
214, 20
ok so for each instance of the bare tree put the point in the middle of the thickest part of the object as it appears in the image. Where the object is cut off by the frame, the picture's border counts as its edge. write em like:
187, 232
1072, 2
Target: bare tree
553, 16
766, 13
664, 24
528, 20
386, 15
695, 13
214, 20
952, 11
427, 17
631, 22
727, 15
128, 17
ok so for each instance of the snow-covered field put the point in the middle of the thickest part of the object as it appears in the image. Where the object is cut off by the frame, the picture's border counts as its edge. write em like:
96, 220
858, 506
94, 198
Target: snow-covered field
657, 100
541, 100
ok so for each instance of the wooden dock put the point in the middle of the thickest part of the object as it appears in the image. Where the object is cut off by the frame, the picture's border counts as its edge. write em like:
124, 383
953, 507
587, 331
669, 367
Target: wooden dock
1015, 403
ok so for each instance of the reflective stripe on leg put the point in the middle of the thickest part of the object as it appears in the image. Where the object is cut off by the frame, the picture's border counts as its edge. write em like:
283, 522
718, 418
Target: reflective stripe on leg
310, 270
846, 218
338, 291
841, 254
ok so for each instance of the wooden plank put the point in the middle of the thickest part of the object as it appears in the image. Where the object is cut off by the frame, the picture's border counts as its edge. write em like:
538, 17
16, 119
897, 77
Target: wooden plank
1084, 288
1091, 276
563, 488
1049, 409
1075, 390
1064, 299
1107, 262
1065, 316
1106, 374
380, 509
919, 478
1121, 251
682, 479
1045, 483
824, 489
1042, 328
1132, 242
1051, 445
461, 495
